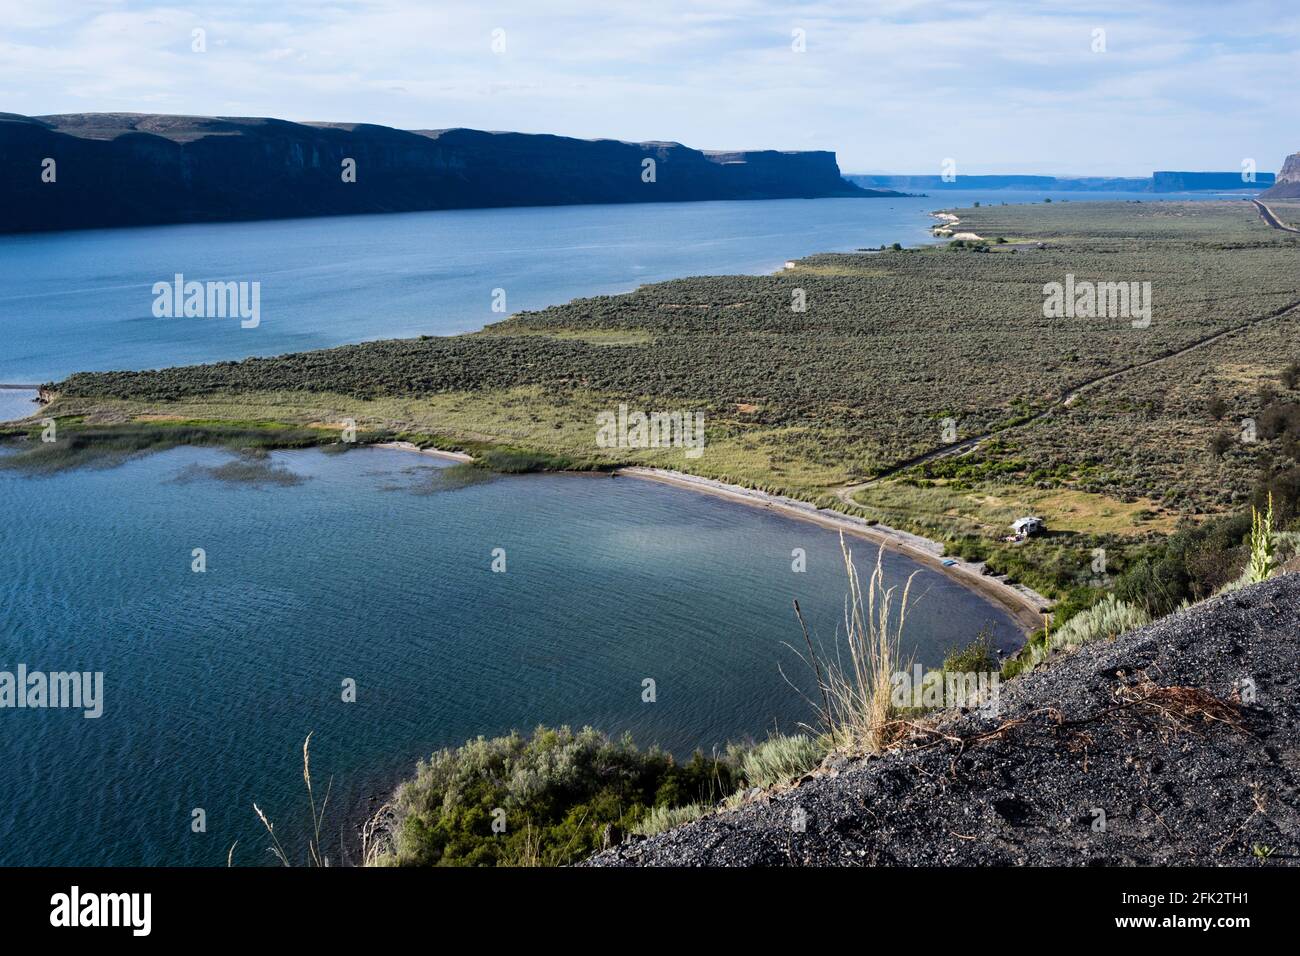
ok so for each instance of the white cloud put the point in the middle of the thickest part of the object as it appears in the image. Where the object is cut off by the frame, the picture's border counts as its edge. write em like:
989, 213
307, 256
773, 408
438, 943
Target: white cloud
893, 84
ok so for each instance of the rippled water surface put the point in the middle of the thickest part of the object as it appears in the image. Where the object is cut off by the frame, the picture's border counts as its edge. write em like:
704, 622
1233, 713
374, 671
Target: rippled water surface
375, 567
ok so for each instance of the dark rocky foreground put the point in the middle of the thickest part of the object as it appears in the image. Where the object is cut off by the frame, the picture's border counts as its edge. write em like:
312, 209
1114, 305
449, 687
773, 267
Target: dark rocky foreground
124, 169
1155, 729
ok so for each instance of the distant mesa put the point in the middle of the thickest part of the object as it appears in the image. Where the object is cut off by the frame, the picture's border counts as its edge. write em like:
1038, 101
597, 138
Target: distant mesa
1053, 183
1181, 182
1158, 182
126, 169
1288, 180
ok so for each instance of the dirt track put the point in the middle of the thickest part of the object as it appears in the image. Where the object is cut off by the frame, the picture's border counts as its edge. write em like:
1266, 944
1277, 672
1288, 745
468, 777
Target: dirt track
846, 492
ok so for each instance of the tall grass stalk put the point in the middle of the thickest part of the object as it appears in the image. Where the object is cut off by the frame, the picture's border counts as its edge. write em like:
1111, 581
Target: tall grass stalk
315, 856
855, 686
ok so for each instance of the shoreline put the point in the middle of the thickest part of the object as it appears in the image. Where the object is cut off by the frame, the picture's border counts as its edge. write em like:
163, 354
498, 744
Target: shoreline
14, 397
1025, 605
432, 452
948, 222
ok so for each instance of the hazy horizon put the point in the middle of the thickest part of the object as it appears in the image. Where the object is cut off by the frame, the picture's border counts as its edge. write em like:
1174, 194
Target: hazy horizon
1107, 89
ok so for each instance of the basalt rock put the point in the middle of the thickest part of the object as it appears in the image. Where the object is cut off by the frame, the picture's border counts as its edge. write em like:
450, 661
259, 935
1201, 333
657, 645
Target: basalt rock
1176, 744
1288, 180
121, 169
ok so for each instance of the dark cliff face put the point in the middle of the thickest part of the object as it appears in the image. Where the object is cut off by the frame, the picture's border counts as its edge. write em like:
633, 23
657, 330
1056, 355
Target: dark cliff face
1288, 180
115, 169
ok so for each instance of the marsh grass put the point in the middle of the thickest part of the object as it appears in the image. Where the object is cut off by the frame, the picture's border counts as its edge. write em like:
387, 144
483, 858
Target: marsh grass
854, 684
80, 446
452, 478
247, 469
515, 461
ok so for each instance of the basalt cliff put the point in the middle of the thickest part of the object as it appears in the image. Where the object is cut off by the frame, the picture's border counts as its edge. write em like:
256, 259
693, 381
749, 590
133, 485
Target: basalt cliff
1288, 180
92, 170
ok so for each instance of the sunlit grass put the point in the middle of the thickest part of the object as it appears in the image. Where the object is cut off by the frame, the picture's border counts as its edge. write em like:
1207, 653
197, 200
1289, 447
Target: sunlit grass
991, 507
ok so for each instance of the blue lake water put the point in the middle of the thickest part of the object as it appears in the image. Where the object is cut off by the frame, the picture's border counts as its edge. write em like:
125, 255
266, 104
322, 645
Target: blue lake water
367, 570
82, 301
370, 569
17, 403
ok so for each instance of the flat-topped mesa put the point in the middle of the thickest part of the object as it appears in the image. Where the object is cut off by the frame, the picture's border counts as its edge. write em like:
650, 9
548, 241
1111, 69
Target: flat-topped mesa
1288, 180
90, 170
1177, 181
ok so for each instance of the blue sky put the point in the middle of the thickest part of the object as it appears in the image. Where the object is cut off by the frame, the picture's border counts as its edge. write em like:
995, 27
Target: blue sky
893, 85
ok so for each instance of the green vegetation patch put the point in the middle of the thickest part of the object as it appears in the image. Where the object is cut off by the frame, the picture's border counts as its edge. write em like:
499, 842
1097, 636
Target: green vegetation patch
556, 797
559, 795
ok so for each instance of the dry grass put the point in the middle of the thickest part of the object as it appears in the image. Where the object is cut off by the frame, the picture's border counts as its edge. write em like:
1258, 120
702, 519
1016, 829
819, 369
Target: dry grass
990, 507
1185, 709
377, 837
854, 684
315, 856
529, 854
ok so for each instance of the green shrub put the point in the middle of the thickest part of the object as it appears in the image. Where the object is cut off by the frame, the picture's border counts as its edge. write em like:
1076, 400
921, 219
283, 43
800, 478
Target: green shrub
1291, 375
779, 759
660, 819
977, 657
969, 548
559, 793
1220, 443
1190, 565
1105, 620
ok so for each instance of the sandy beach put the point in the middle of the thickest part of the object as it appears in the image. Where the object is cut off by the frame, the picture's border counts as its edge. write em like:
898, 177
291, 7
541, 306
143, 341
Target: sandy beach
946, 231
432, 452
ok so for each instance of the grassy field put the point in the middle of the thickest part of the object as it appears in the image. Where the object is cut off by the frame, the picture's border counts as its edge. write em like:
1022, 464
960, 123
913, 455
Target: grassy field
1287, 210
894, 354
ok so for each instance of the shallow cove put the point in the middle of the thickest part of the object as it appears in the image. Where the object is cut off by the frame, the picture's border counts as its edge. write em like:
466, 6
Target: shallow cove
17, 403
376, 568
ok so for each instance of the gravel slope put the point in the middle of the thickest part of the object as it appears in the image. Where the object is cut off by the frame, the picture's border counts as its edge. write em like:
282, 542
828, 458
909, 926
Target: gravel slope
1098, 730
